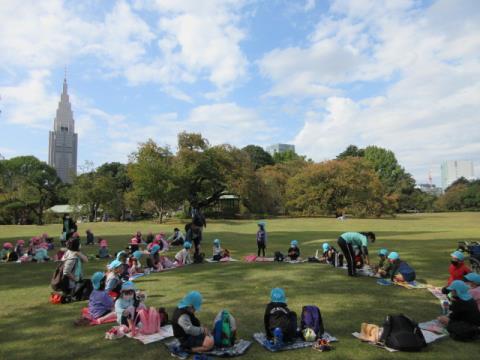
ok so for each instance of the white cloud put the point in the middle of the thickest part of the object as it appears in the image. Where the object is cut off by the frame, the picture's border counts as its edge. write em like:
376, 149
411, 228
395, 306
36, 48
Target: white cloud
30, 103
309, 5
428, 114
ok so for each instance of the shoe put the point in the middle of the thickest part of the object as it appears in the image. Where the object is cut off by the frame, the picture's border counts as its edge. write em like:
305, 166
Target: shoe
178, 353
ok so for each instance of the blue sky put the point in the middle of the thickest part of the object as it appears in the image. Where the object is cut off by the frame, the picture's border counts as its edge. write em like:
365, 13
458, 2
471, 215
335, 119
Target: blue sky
402, 74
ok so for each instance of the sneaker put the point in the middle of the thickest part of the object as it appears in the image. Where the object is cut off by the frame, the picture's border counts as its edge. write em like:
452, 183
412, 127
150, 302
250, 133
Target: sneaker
177, 352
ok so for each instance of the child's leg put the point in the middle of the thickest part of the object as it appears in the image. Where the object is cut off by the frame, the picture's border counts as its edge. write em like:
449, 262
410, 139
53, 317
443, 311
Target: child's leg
206, 346
259, 248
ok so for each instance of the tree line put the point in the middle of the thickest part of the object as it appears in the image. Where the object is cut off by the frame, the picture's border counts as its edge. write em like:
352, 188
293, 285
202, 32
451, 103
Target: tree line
157, 181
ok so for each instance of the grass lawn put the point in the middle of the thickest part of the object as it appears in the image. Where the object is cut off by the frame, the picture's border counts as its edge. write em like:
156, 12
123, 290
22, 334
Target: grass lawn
32, 328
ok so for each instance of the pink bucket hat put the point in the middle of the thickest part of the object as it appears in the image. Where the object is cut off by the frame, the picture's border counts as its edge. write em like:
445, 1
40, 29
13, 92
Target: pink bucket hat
7, 245
134, 241
21, 242
103, 243
36, 240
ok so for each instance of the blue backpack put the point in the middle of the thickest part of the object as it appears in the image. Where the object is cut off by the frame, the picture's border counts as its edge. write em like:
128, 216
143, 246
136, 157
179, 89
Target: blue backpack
224, 330
312, 318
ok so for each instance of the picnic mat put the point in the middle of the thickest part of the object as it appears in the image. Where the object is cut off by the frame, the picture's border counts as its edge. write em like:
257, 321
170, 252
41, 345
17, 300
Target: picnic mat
220, 261
299, 343
430, 336
404, 284
240, 347
136, 276
254, 258
296, 261
437, 292
165, 332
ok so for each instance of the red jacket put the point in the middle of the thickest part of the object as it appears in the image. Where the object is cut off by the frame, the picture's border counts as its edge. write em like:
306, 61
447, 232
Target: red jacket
457, 272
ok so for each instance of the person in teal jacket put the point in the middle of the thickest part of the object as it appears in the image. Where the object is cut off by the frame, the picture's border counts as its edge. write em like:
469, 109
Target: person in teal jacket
347, 241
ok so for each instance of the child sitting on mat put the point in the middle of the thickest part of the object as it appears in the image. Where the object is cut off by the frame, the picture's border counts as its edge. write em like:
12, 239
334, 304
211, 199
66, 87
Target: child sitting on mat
134, 265
457, 268
382, 262
473, 280
103, 250
127, 305
100, 304
294, 251
218, 252
399, 270
278, 318
183, 257
113, 282
187, 328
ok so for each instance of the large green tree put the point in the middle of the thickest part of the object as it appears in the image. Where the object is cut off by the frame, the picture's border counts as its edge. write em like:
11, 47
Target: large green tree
28, 187
156, 178
258, 156
337, 186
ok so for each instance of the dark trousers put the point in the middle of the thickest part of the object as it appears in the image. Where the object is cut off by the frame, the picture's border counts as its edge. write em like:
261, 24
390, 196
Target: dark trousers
261, 247
349, 254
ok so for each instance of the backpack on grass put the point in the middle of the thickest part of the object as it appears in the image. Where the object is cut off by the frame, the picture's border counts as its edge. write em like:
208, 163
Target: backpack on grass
150, 319
402, 333
224, 329
279, 256
312, 318
58, 281
198, 258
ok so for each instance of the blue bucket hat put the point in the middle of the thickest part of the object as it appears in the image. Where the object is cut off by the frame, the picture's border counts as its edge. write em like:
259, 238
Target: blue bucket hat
216, 242
261, 224
193, 298
278, 295
96, 279
128, 285
137, 254
154, 249
120, 254
325, 247
383, 252
187, 244
461, 289
458, 255
114, 264
473, 277
393, 256
294, 243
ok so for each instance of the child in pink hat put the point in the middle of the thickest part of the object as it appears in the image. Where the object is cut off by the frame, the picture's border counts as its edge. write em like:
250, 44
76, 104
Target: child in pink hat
103, 250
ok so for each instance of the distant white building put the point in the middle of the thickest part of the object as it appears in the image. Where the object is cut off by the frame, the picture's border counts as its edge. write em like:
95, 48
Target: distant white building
455, 169
280, 148
63, 141
430, 189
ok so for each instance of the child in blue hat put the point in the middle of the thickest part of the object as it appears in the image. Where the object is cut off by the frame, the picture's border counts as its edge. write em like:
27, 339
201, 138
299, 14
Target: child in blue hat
113, 282
100, 304
261, 239
218, 252
294, 250
186, 326
183, 257
127, 305
278, 316
464, 318
398, 269
381, 268
331, 255
473, 279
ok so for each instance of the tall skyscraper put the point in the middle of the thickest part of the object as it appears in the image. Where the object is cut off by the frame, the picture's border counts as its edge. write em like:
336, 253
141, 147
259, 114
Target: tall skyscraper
280, 148
62, 145
455, 169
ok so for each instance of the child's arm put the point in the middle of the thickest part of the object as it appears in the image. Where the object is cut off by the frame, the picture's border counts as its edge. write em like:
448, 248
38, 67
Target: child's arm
187, 326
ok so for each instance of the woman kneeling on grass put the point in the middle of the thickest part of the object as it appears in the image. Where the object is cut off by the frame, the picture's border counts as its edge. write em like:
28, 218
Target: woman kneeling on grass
187, 328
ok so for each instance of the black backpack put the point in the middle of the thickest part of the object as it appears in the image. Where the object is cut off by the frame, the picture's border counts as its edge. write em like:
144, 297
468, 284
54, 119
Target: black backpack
402, 333
279, 256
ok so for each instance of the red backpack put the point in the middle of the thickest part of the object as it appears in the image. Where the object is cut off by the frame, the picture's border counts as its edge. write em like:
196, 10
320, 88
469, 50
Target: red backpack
150, 319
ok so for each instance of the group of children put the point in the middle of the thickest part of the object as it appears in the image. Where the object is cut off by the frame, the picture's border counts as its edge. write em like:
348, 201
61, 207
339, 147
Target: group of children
35, 251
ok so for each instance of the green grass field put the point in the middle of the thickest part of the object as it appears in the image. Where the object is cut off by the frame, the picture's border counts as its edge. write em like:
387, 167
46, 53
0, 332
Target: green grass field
31, 327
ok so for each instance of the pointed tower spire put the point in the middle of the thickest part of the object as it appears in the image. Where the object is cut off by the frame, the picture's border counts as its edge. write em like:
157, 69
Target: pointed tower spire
65, 87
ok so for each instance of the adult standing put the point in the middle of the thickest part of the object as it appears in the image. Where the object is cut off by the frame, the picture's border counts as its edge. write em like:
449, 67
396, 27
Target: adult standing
347, 241
69, 227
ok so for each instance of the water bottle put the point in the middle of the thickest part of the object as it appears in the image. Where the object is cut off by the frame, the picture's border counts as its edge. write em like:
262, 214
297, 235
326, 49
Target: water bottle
445, 307
277, 337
